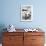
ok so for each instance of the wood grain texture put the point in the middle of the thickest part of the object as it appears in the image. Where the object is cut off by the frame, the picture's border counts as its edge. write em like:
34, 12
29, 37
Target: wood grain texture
34, 39
13, 39
23, 39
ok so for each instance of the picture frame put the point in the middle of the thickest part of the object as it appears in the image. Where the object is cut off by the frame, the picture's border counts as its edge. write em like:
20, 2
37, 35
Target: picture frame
26, 12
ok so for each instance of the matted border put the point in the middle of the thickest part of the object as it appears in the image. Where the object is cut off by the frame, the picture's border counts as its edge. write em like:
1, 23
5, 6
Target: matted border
26, 12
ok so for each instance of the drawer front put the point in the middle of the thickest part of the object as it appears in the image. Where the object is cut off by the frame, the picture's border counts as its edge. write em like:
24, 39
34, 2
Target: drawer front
37, 45
37, 39
5, 40
33, 39
13, 33
34, 33
16, 41
12, 39
12, 44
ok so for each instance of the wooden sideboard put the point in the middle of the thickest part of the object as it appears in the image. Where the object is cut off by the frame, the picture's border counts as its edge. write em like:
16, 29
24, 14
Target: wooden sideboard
34, 39
23, 39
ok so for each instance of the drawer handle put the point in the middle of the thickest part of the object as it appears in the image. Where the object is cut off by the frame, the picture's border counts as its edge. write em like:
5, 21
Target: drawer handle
33, 39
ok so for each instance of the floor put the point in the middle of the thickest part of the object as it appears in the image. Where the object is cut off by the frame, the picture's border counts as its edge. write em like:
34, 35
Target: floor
0, 44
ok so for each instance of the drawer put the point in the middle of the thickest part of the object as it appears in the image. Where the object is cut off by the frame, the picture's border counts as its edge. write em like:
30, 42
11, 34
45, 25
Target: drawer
34, 33
12, 44
12, 39
37, 44
15, 40
13, 33
37, 39
8, 39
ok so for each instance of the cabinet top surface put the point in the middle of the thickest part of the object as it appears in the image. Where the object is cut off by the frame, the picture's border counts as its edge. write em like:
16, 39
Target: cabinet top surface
22, 30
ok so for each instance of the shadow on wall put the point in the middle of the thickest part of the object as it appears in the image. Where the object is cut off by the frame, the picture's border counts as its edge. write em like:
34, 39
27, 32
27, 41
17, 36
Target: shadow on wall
2, 26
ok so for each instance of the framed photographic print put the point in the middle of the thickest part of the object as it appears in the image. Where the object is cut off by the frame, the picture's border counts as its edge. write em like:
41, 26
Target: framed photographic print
26, 12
